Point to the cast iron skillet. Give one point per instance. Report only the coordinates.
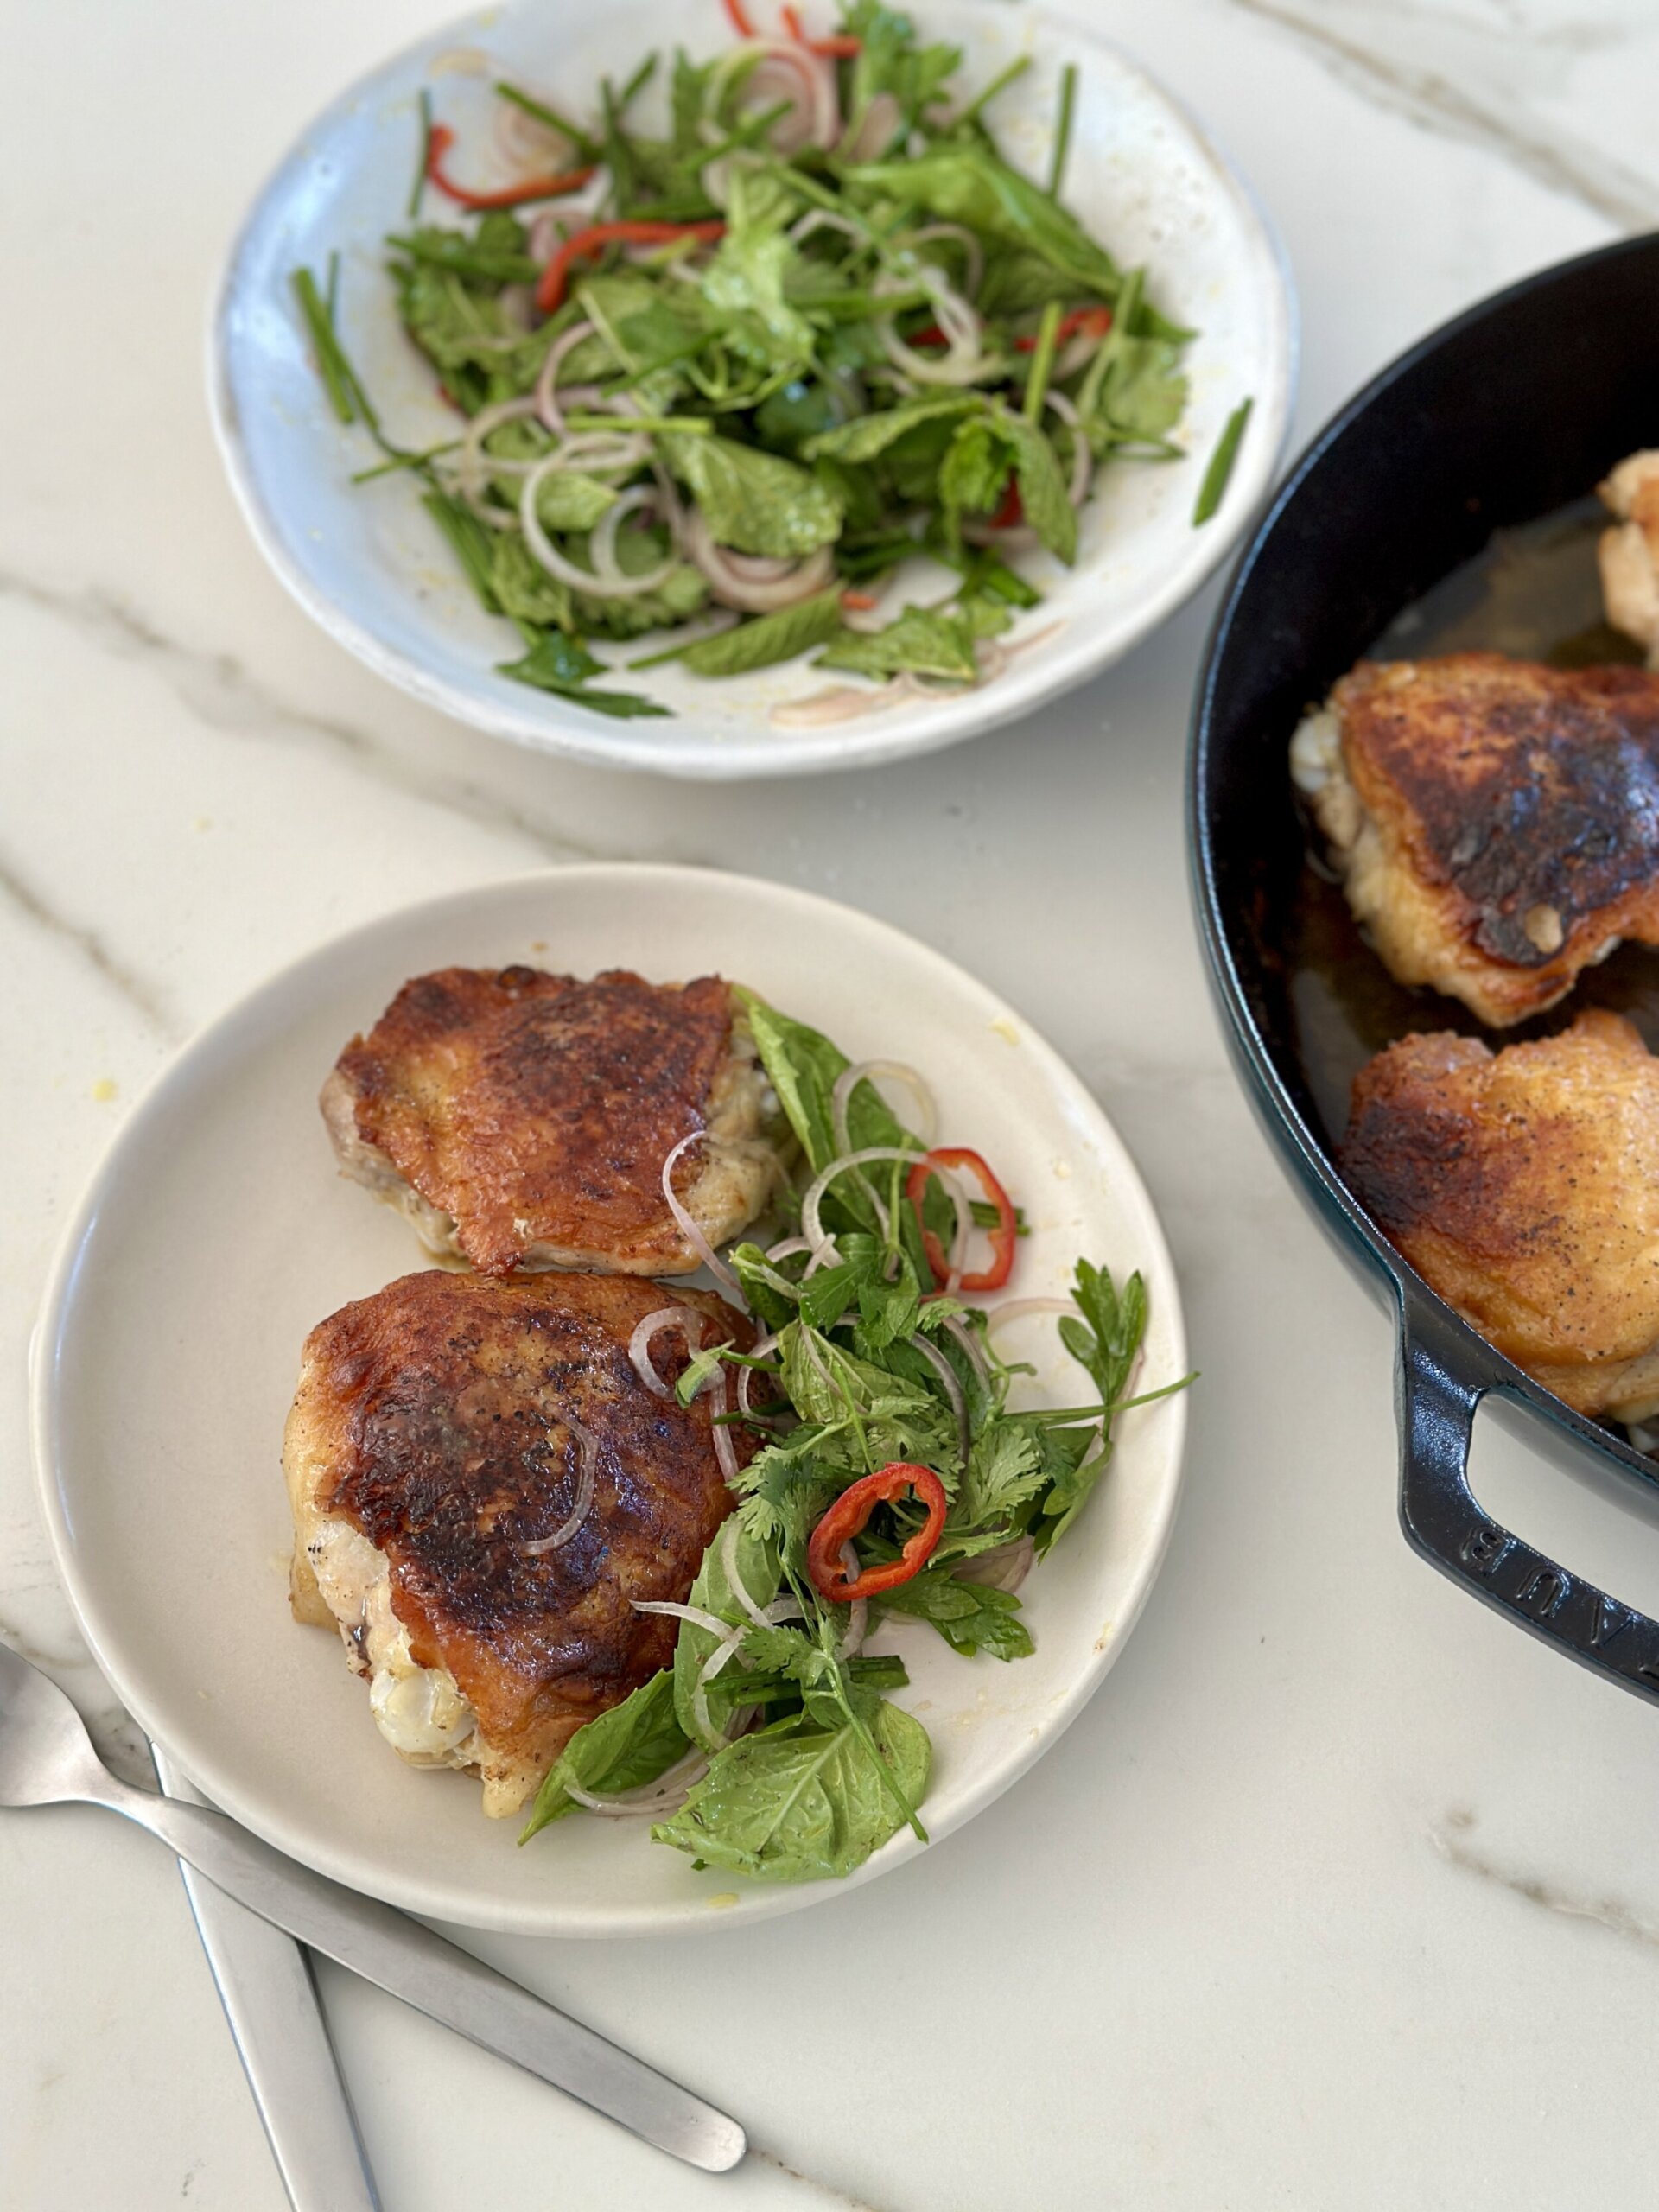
(1510, 413)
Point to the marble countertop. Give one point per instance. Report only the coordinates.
(1341, 1892)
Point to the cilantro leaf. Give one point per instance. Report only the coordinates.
(971, 1616)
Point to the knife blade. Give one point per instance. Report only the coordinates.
(401, 1955)
(277, 2025)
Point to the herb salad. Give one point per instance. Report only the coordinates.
(896, 1475)
(719, 380)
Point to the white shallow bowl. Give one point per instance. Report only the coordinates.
(366, 562)
(217, 1233)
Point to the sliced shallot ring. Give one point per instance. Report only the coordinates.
(544, 550)
(873, 133)
(894, 1072)
(1017, 1309)
(473, 466)
(710, 1667)
(811, 1225)
(816, 118)
(765, 1345)
(685, 1317)
(947, 1375)
(667, 1794)
(687, 1228)
(755, 583)
(587, 1445)
(957, 1329)
(695, 1614)
(546, 398)
(601, 546)
(963, 236)
(724, 1449)
(837, 702)
(739, 1588)
(858, 1612)
(1004, 1567)
(825, 219)
(1082, 460)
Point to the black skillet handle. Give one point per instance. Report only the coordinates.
(1436, 1406)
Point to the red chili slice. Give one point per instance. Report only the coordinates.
(442, 138)
(1096, 321)
(740, 19)
(1003, 1236)
(1011, 511)
(550, 292)
(841, 48)
(851, 1512)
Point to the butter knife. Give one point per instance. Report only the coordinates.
(276, 2023)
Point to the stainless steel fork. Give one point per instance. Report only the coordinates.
(47, 1758)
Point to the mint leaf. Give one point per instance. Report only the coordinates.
(867, 436)
(767, 638)
(549, 664)
(753, 501)
(967, 182)
(927, 641)
(1042, 487)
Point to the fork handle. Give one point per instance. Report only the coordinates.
(399, 1954)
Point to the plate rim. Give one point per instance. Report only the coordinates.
(1022, 690)
(187, 1070)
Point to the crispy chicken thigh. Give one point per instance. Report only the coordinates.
(521, 1120)
(1496, 822)
(1523, 1186)
(1629, 553)
(444, 1437)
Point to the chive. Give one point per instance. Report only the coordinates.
(618, 154)
(1062, 128)
(974, 108)
(693, 426)
(451, 249)
(332, 296)
(469, 541)
(581, 143)
(1042, 361)
(1212, 490)
(422, 165)
(408, 461)
(636, 84)
(331, 365)
(746, 133)
(660, 660)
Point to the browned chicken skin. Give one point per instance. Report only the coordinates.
(1496, 822)
(436, 1445)
(1523, 1186)
(522, 1119)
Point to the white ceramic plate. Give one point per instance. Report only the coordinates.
(217, 1234)
(366, 562)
